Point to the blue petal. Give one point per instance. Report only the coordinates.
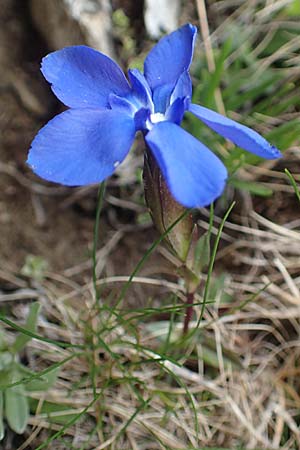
(241, 135)
(141, 118)
(82, 77)
(161, 97)
(122, 104)
(140, 87)
(176, 111)
(166, 94)
(170, 57)
(183, 87)
(80, 147)
(194, 175)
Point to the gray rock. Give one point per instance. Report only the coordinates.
(161, 16)
(73, 22)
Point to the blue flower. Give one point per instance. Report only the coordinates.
(86, 143)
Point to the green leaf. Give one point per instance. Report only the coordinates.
(44, 382)
(283, 136)
(293, 9)
(252, 187)
(217, 289)
(202, 253)
(248, 88)
(3, 344)
(210, 357)
(56, 413)
(16, 408)
(215, 78)
(31, 325)
(6, 360)
(5, 379)
(161, 331)
(1, 417)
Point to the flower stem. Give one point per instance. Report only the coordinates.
(100, 199)
(188, 312)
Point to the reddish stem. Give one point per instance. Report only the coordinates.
(188, 312)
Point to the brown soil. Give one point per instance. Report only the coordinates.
(33, 218)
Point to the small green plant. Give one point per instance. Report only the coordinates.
(34, 267)
(16, 380)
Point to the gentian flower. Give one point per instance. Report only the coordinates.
(86, 143)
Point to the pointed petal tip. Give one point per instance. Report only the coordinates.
(192, 27)
(274, 152)
(265, 149)
(239, 134)
(170, 56)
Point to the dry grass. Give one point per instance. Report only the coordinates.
(256, 405)
(124, 389)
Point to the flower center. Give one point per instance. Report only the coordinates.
(153, 119)
(157, 117)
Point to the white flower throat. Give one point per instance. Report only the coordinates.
(155, 118)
